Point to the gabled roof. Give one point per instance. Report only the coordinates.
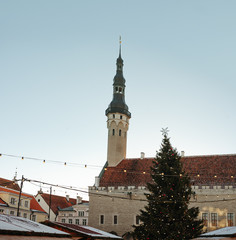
(82, 231)
(3, 203)
(58, 202)
(34, 205)
(9, 184)
(203, 170)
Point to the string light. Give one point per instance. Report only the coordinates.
(113, 170)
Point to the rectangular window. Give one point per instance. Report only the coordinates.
(70, 214)
(84, 222)
(115, 219)
(13, 201)
(205, 219)
(34, 218)
(80, 213)
(77, 221)
(102, 219)
(26, 204)
(70, 221)
(63, 220)
(214, 219)
(25, 215)
(1, 210)
(230, 219)
(137, 221)
(12, 213)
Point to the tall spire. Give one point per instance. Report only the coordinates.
(118, 103)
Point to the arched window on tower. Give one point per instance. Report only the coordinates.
(113, 132)
(119, 132)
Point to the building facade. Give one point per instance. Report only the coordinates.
(63, 209)
(76, 214)
(118, 193)
(28, 208)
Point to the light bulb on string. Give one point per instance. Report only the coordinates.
(22, 158)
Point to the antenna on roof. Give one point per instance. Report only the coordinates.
(15, 177)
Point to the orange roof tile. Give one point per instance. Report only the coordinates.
(34, 205)
(203, 170)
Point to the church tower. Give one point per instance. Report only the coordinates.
(118, 116)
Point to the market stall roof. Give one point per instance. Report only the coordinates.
(21, 227)
(222, 233)
(82, 231)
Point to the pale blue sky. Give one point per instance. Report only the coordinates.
(57, 63)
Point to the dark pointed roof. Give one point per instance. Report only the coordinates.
(118, 102)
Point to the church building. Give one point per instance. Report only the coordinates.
(118, 193)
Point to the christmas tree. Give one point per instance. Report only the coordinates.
(167, 215)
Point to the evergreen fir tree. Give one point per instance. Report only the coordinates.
(167, 215)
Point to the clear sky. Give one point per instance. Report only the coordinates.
(57, 63)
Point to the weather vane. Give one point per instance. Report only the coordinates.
(164, 131)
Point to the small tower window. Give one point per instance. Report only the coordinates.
(113, 115)
(120, 116)
(120, 90)
(113, 132)
(116, 89)
(120, 132)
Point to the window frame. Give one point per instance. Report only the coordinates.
(229, 219)
(205, 220)
(214, 220)
(115, 219)
(101, 219)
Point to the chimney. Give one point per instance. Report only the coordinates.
(142, 155)
(97, 181)
(40, 191)
(78, 200)
(67, 198)
(182, 153)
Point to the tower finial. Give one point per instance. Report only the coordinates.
(120, 47)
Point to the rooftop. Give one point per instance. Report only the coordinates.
(203, 170)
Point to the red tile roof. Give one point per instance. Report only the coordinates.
(58, 202)
(34, 205)
(3, 203)
(9, 184)
(203, 170)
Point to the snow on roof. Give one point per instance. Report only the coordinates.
(84, 230)
(227, 231)
(13, 223)
(100, 232)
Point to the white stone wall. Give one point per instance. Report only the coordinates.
(125, 202)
